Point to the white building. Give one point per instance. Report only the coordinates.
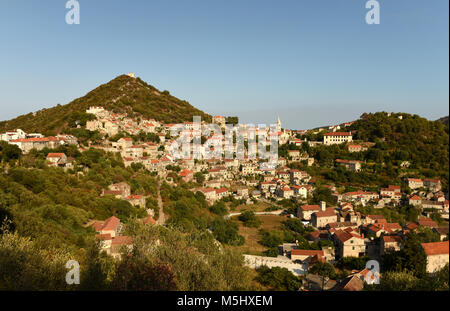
(337, 138)
(12, 135)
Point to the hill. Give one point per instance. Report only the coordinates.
(406, 137)
(122, 94)
(444, 120)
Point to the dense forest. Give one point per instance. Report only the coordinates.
(122, 94)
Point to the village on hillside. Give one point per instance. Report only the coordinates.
(343, 229)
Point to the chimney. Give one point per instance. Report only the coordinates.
(323, 206)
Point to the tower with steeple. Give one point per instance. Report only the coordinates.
(278, 124)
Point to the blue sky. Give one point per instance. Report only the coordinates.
(312, 62)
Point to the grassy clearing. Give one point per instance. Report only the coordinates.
(252, 235)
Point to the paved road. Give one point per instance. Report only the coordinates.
(162, 218)
(278, 212)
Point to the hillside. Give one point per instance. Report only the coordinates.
(406, 137)
(122, 94)
(444, 120)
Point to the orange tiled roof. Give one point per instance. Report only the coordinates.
(435, 248)
(111, 223)
(310, 207)
(306, 252)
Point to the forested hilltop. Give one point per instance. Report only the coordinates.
(406, 137)
(400, 145)
(122, 94)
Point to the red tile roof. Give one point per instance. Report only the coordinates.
(427, 222)
(415, 197)
(310, 208)
(344, 236)
(338, 134)
(122, 240)
(149, 220)
(435, 248)
(55, 155)
(306, 252)
(111, 223)
(185, 173)
(327, 213)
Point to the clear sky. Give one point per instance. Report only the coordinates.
(312, 62)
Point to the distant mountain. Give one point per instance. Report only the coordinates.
(444, 120)
(122, 94)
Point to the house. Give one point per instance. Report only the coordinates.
(285, 192)
(390, 191)
(186, 175)
(370, 219)
(433, 205)
(127, 161)
(349, 244)
(318, 235)
(301, 191)
(136, 151)
(209, 193)
(442, 231)
(26, 144)
(222, 193)
(414, 183)
(248, 169)
(13, 135)
(427, 222)
(306, 255)
(379, 228)
(123, 143)
(322, 218)
(437, 255)
(120, 242)
(111, 226)
(432, 184)
(414, 200)
(294, 154)
(351, 283)
(242, 192)
(284, 175)
(359, 195)
(267, 185)
(356, 148)
(343, 225)
(105, 241)
(354, 166)
(390, 243)
(305, 211)
(122, 188)
(136, 200)
(58, 160)
(336, 138)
